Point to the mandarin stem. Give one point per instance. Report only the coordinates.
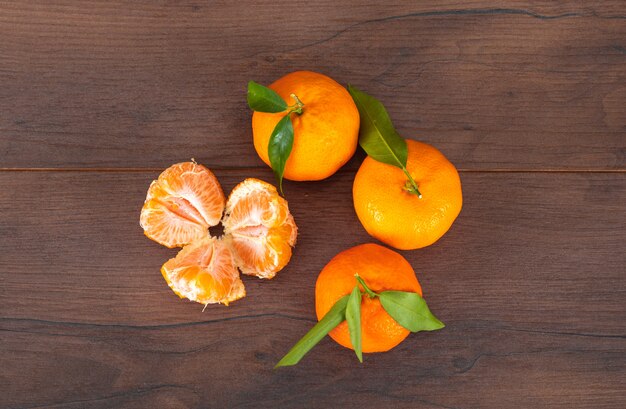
(413, 189)
(297, 107)
(369, 292)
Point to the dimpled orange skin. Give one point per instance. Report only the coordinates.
(325, 134)
(398, 218)
(382, 269)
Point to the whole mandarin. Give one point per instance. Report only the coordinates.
(382, 269)
(402, 219)
(325, 134)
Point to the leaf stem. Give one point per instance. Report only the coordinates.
(370, 293)
(297, 107)
(411, 185)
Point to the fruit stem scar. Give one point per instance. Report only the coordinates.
(411, 185)
(370, 293)
(297, 107)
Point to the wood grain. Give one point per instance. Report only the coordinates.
(527, 98)
(529, 280)
(529, 85)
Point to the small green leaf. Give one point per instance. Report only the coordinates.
(263, 99)
(279, 148)
(353, 317)
(377, 136)
(335, 316)
(409, 310)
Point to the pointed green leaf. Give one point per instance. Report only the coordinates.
(377, 136)
(263, 99)
(335, 316)
(409, 310)
(353, 317)
(279, 148)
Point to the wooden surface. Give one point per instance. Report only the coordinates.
(527, 98)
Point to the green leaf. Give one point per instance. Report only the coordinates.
(263, 99)
(353, 316)
(335, 316)
(409, 310)
(377, 136)
(279, 148)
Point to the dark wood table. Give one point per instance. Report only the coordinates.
(526, 98)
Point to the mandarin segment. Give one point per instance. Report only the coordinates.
(182, 204)
(382, 269)
(168, 227)
(204, 271)
(259, 228)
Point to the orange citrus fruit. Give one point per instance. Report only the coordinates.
(259, 232)
(204, 271)
(399, 218)
(182, 204)
(325, 134)
(382, 269)
(259, 228)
